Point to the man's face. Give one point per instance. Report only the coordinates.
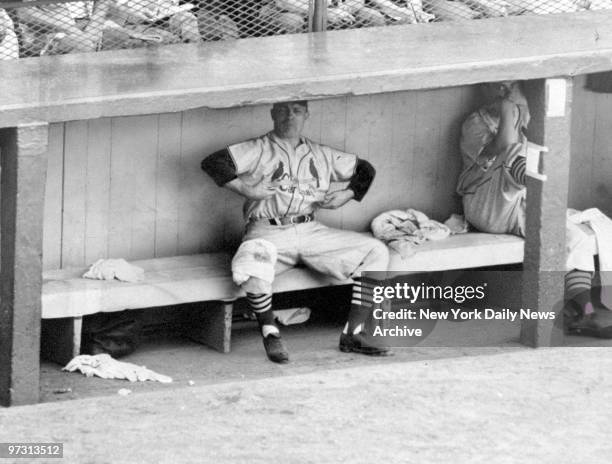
(289, 119)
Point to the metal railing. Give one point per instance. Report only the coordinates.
(31, 28)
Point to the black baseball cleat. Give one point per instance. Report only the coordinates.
(361, 343)
(276, 349)
(597, 324)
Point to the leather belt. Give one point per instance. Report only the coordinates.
(286, 220)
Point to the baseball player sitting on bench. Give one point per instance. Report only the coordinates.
(285, 178)
(492, 184)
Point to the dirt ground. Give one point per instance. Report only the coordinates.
(455, 405)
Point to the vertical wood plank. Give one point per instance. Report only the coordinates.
(602, 164)
(52, 236)
(202, 212)
(402, 167)
(97, 190)
(584, 123)
(544, 264)
(75, 193)
(168, 184)
(357, 216)
(450, 104)
(23, 165)
(132, 197)
(425, 158)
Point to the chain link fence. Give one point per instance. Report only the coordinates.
(32, 28)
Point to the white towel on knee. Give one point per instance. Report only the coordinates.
(254, 258)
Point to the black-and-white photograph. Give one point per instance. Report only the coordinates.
(305, 231)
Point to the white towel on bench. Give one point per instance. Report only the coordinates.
(110, 269)
(402, 230)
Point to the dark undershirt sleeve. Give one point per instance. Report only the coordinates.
(220, 166)
(362, 179)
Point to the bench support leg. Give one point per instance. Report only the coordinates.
(544, 263)
(214, 326)
(23, 162)
(61, 339)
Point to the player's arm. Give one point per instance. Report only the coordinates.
(356, 189)
(221, 167)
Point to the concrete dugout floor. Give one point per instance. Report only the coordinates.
(312, 346)
(425, 405)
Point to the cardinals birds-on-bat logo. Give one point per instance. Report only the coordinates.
(304, 183)
(277, 175)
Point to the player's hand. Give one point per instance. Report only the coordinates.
(260, 191)
(335, 200)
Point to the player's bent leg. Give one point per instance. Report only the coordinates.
(261, 305)
(345, 254)
(354, 337)
(254, 268)
(581, 318)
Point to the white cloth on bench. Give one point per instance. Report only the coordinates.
(110, 269)
(403, 230)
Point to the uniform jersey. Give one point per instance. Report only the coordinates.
(493, 201)
(302, 175)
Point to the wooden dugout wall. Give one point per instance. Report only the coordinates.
(132, 187)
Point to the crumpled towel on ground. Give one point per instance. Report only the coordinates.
(402, 230)
(104, 366)
(255, 258)
(292, 316)
(109, 269)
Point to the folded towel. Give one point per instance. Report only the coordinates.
(109, 269)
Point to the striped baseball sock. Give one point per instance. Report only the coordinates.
(261, 304)
(578, 289)
(361, 304)
(518, 168)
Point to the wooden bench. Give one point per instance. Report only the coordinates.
(67, 297)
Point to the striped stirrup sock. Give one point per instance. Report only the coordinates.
(578, 289)
(361, 304)
(261, 304)
(517, 170)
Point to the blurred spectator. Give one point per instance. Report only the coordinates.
(158, 17)
(62, 27)
(215, 19)
(9, 47)
(402, 11)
